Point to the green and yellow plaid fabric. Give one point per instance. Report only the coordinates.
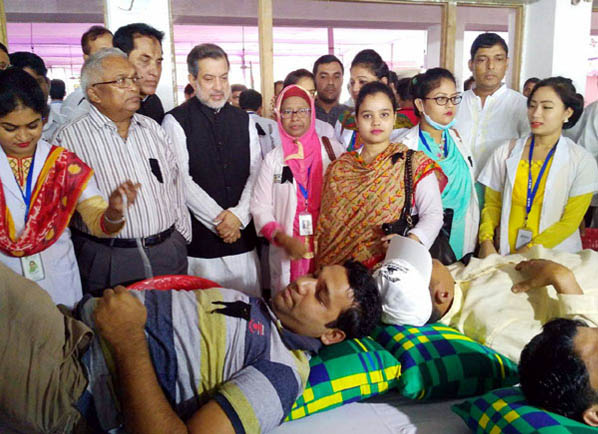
(349, 371)
(505, 411)
(438, 362)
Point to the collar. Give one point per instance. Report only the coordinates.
(496, 94)
(292, 340)
(456, 307)
(100, 120)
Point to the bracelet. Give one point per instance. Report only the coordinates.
(114, 222)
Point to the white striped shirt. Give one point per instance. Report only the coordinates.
(159, 205)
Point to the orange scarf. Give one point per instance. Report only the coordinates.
(358, 198)
(54, 200)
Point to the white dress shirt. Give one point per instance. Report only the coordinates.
(270, 127)
(483, 129)
(75, 105)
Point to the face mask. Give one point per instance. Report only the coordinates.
(438, 126)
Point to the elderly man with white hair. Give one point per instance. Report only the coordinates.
(120, 144)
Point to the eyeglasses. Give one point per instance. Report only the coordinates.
(301, 113)
(443, 100)
(122, 82)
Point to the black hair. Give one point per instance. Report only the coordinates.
(250, 100)
(19, 89)
(403, 88)
(325, 59)
(238, 87)
(393, 80)
(93, 33)
(564, 88)
(468, 83)
(552, 374)
(371, 60)
(25, 59)
(531, 80)
(204, 51)
(423, 84)
(293, 77)
(487, 40)
(124, 38)
(57, 89)
(373, 88)
(3, 48)
(361, 318)
(188, 89)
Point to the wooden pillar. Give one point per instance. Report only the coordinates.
(330, 40)
(516, 20)
(3, 35)
(264, 20)
(449, 32)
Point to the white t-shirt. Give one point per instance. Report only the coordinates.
(483, 129)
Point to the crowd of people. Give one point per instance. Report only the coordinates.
(318, 221)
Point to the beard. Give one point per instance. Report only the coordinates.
(328, 100)
(204, 98)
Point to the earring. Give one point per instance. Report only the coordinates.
(566, 120)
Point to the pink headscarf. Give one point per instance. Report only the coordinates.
(301, 153)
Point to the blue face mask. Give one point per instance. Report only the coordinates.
(438, 126)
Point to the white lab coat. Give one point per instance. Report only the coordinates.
(410, 138)
(61, 279)
(573, 172)
(275, 201)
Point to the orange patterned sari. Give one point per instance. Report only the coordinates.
(358, 198)
(53, 201)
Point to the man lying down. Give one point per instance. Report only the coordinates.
(503, 302)
(211, 361)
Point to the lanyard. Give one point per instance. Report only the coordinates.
(531, 193)
(425, 143)
(27, 194)
(305, 191)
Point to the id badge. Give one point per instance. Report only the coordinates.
(306, 226)
(524, 236)
(33, 267)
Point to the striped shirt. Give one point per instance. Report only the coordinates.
(213, 344)
(146, 156)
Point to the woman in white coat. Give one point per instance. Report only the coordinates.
(42, 186)
(538, 188)
(436, 98)
(286, 198)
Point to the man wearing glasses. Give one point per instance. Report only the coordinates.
(120, 144)
(490, 113)
(219, 155)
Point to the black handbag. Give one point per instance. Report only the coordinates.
(441, 248)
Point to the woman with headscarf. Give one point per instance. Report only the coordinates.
(286, 199)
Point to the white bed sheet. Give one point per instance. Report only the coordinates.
(387, 414)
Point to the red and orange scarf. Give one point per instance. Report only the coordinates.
(358, 198)
(54, 200)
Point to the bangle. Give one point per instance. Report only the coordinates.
(114, 222)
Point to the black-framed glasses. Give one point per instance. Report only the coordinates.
(443, 100)
(122, 82)
(301, 113)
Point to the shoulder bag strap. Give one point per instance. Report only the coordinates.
(408, 187)
(328, 147)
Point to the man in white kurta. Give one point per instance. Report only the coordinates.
(490, 113)
(219, 153)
